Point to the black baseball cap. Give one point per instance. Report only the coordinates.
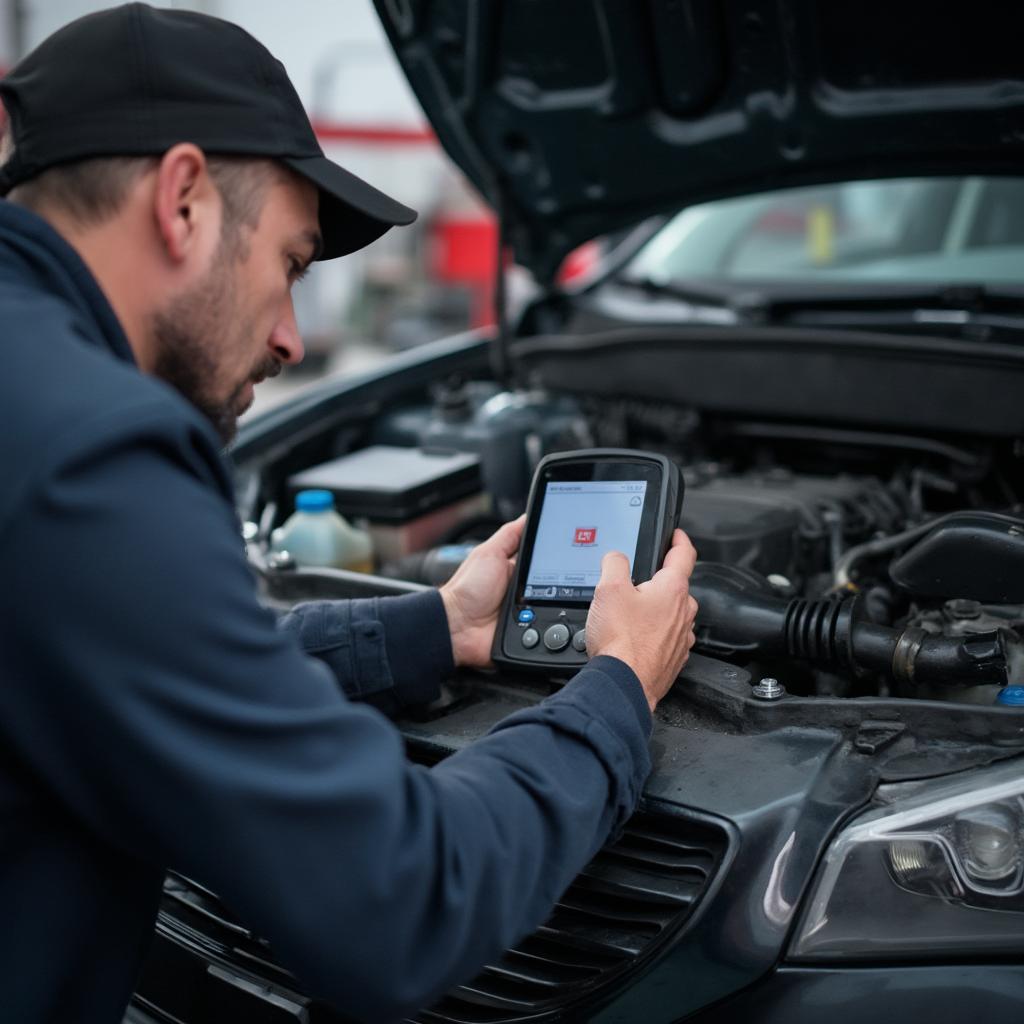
(136, 80)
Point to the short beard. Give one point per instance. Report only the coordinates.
(187, 335)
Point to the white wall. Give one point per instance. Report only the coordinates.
(337, 56)
(6, 42)
(339, 42)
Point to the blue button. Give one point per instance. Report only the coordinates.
(526, 615)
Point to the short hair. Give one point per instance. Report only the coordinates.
(92, 190)
(6, 143)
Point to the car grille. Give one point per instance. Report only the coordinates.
(637, 893)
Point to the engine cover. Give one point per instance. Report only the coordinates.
(973, 555)
(781, 522)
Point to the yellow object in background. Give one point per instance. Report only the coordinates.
(821, 233)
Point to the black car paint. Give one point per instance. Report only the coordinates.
(579, 118)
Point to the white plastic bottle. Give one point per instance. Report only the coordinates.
(315, 535)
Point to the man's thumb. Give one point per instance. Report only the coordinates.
(615, 568)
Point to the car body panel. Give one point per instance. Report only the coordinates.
(582, 117)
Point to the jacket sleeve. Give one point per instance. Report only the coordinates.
(366, 644)
(149, 690)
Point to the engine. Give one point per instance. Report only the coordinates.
(843, 563)
(798, 578)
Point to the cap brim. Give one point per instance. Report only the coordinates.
(352, 213)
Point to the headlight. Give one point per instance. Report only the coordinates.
(938, 871)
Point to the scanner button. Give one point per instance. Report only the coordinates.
(526, 615)
(530, 638)
(556, 637)
(579, 641)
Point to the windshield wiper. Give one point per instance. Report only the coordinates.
(697, 294)
(945, 303)
(967, 310)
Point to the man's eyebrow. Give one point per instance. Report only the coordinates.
(316, 243)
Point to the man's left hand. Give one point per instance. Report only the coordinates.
(472, 597)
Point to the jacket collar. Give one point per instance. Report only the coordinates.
(38, 254)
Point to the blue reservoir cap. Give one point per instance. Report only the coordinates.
(1011, 696)
(314, 501)
(455, 552)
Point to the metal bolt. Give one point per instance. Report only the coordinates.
(962, 608)
(280, 561)
(768, 689)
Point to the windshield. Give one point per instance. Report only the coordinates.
(962, 230)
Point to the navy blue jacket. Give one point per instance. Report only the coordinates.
(154, 715)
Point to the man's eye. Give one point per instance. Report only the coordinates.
(297, 270)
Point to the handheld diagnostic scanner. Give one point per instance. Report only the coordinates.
(582, 505)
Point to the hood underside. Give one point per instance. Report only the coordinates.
(575, 118)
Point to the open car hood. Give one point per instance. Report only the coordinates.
(575, 118)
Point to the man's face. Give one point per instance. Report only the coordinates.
(219, 338)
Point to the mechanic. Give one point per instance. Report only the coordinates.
(164, 191)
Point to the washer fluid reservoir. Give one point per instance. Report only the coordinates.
(316, 535)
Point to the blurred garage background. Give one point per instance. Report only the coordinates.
(417, 283)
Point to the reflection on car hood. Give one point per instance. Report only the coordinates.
(579, 117)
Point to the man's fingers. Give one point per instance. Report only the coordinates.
(682, 554)
(615, 569)
(507, 538)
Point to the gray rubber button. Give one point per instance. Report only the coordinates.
(530, 637)
(556, 637)
(579, 641)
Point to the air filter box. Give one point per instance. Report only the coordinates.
(974, 555)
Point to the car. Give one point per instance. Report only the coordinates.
(811, 298)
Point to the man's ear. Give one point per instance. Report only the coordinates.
(186, 204)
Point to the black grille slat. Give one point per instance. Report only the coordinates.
(571, 936)
(552, 950)
(645, 916)
(543, 985)
(496, 993)
(542, 973)
(659, 856)
(599, 934)
(201, 901)
(614, 880)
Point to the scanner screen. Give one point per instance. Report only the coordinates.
(580, 522)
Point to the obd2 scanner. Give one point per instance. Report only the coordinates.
(582, 505)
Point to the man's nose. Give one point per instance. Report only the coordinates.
(285, 342)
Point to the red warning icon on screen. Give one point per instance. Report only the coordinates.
(585, 536)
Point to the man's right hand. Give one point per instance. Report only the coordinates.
(650, 626)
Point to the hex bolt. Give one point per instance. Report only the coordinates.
(961, 608)
(768, 689)
(280, 561)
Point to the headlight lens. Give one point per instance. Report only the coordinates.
(938, 871)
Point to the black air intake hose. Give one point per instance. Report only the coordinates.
(741, 616)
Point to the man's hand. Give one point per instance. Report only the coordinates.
(649, 627)
(472, 597)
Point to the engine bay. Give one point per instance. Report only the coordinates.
(839, 562)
